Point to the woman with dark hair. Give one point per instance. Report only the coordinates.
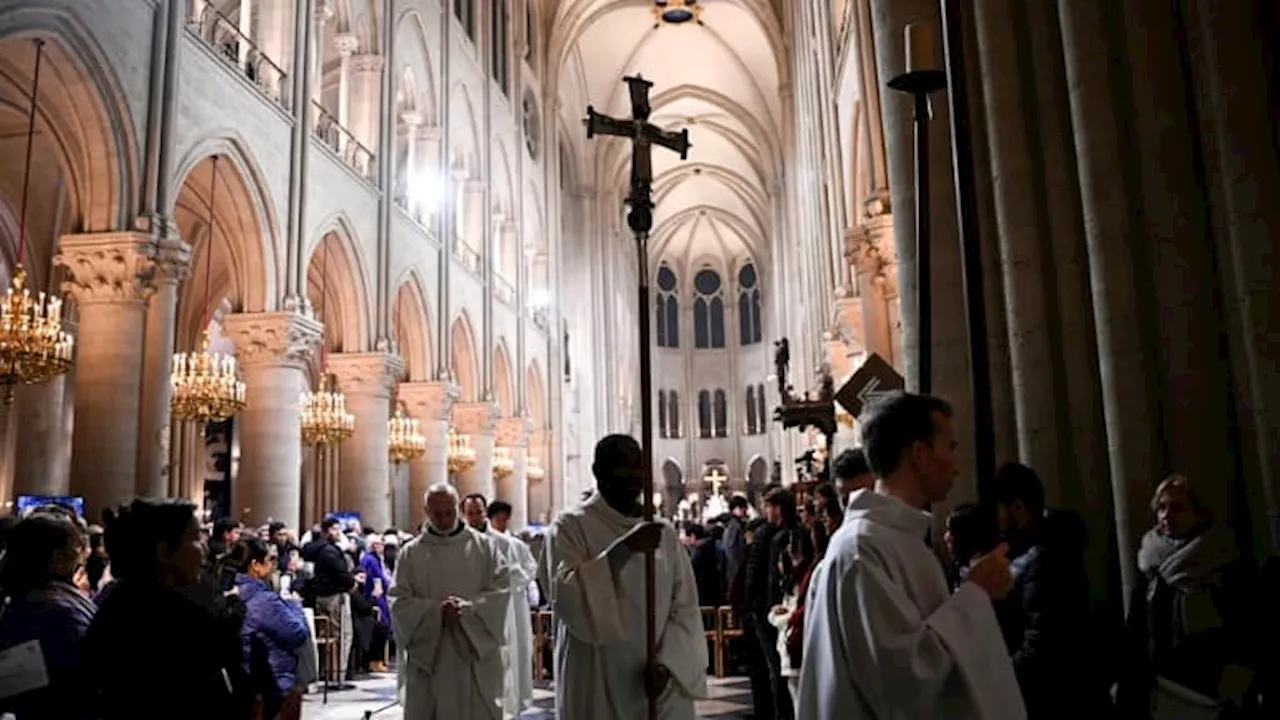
(273, 631)
(788, 616)
(164, 642)
(42, 604)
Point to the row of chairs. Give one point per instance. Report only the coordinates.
(721, 627)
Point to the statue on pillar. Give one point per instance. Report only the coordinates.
(782, 364)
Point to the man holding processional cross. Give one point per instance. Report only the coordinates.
(620, 653)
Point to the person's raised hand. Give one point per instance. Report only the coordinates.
(451, 608)
(991, 572)
(644, 537)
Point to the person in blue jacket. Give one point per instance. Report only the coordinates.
(274, 629)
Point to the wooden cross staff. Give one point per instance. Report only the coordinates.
(643, 135)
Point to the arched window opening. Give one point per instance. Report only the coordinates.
(673, 413)
(667, 309)
(722, 415)
(530, 34)
(752, 428)
(500, 45)
(532, 124)
(760, 409)
(704, 414)
(465, 11)
(749, 324)
(708, 310)
(662, 415)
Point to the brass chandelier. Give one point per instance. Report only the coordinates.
(325, 420)
(205, 386)
(533, 469)
(503, 463)
(33, 346)
(405, 441)
(462, 456)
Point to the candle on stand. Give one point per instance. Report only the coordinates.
(920, 48)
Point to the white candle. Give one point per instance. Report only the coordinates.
(920, 48)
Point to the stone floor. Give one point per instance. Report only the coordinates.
(729, 699)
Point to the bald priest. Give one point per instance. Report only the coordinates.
(593, 568)
(449, 600)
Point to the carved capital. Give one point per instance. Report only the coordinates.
(287, 338)
(869, 247)
(107, 267)
(366, 63)
(877, 204)
(372, 373)
(479, 418)
(346, 45)
(513, 431)
(429, 400)
(170, 262)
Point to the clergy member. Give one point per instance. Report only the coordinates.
(521, 641)
(594, 572)
(449, 600)
(519, 574)
(883, 636)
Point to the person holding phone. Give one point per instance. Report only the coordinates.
(274, 629)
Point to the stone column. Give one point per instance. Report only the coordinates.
(364, 99)
(8, 443)
(431, 403)
(1122, 355)
(364, 480)
(477, 420)
(950, 337)
(272, 349)
(322, 16)
(407, 182)
(38, 410)
(346, 45)
(513, 433)
(275, 32)
(1019, 191)
(245, 23)
(473, 218)
(170, 266)
(106, 274)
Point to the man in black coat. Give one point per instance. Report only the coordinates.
(1046, 618)
(763, 590)
(331, 585)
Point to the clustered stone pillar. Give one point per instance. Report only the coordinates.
(513, 433)
(364, 469)
(169, 267)
(38, 468)
(431, 403)
(273, 349)
(478, 421)
(107, 275)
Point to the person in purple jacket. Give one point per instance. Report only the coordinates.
(376, 582)
(274, 629)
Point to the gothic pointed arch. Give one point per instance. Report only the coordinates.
(503, 381)
(337, 287)
(464, 363)
(410, 321)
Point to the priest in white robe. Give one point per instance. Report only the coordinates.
(520, 637)
(883, 636)
(593, 571)
(520, 573)
(449, 600)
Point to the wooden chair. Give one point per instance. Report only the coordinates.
(327, 644)
(541, 640)
(728, 628)
(711, 629)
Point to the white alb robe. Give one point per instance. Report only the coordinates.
(517, 654)
(600, 653)
(884, 637)
(450, 671)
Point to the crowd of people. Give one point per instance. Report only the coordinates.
(849, 608)
(154, 614)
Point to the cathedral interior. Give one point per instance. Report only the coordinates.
(393, 205)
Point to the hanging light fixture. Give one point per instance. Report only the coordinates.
(33, 346)
(325, 420)
(503, 463)
(533, 469)
(205, 386)
(405, 441)
(462, 456)
(677, 12)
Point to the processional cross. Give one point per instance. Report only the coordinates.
(715, 478)
(643, 135)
